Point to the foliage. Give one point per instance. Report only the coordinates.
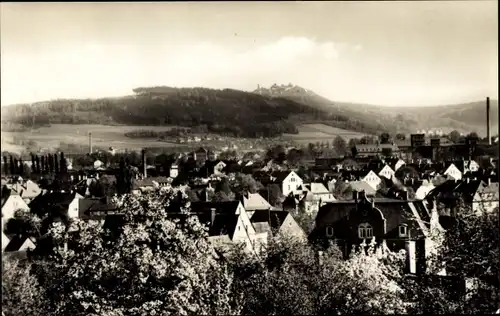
(24, 223)
(150, 264)
(340, 145)
(245, 183)
(222, 111)
(21, 292)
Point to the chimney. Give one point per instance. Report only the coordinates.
(143, 152)
(489, 181)
(212, 215)
(488, 120)
(411, 260)
(90, 142)
(355, 195)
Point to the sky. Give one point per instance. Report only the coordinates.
(384, 53)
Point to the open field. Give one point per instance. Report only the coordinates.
(103, 136)
(312, 133)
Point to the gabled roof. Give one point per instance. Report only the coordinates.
(361, 186)
(18, 241)
(5, 240)
(273, 218)
(224, 224)
(464, 188)
(254, 201)
(317, 188)
(280, 176)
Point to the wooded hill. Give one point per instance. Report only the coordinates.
(222, 111)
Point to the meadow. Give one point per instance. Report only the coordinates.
(103, 136)
(312, 133)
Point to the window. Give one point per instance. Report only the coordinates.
(288, 188)
(292, 179)
(329, 231)
(365, 231)
(403, 230)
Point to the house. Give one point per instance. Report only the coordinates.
(395, 225)
(486, 198)
(254, 202)
(371, 178)
(52, 202)
(386, 171)
(11, 202)
(362, 186)
(227, 218)
(315, 194)
(28, 190)
(213, 168)
(370, 150)
(277, 222)
(452, 172)
(395, 163)
(289, 181)
(475, 193)
(424, 189)
(141, 185)
(5, 241)
(20, 243)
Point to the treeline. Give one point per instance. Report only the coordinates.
(230, 111)
(50, 163)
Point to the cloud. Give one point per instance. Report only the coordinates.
(96, 69)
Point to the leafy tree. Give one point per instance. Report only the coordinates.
(21, 168)
(275, 194)
(24, 223)
(385, 138)
(367, 140)
(12, 166)
(56, 163)
(454, 136)
(246, 183)
(63, 166)
(151, 265)
(354, 151)
(340, 145)
(5, 165)
(37, 161)
(21, 291)
(400, 136)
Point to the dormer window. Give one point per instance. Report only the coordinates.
(403, 230)
(329, 231)
(365, 231)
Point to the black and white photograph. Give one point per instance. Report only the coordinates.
(249, 158)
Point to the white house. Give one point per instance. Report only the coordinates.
(372, 179)
(453, 173)
(10, 205)
(386, 172)
(289, 182)
(73, 208)
(399, 163)
(424, 189)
